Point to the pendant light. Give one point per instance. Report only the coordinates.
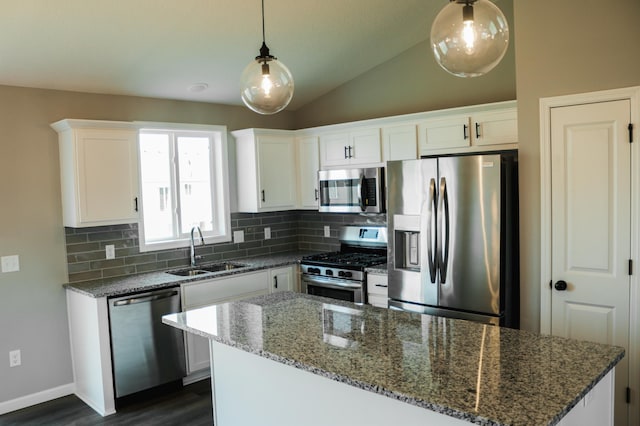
(266, 83)
(469, 37)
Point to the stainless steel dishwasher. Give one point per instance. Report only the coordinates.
(145, 352)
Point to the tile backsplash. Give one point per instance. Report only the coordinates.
(290, 231)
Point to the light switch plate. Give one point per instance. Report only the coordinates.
(110, 251)
(267, 233)
(238, 236)
(10, 263)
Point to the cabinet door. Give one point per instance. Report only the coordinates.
(308, 165)
(377, 290)
(334, 150)
(209, 292)
(281, 279)
(443, 133)
(107, 177)
(400, 142)
(277, 172)
(495, 127)
(365, 146)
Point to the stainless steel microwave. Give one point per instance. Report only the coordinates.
(352, 190)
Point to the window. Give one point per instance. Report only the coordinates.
(184, 183)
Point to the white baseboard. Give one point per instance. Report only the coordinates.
(36, 398)
(197, 376)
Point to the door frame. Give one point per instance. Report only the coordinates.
(546, 104)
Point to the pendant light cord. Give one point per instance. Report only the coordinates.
(263, 22)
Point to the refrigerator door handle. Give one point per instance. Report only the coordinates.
(443, 231)
(431, 234)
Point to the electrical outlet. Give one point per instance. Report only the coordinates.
(14, 358)
(238, 236)
(267, 233)
(10, 263)
(110, 251)
(327, 231)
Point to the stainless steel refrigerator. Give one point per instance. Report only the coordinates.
(453, 245)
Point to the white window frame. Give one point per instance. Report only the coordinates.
(219, 181)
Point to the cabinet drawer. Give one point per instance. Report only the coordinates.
(212, 291)
(377, 285)
(378, 301)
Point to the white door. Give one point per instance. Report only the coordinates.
(590, 228)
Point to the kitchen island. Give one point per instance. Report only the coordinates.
(289, 359)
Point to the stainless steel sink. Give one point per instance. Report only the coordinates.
(188, 272)
(226, 266)
(207, 269)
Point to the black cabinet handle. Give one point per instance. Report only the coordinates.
(345, 152)
(135, 204)
(464, 131)
(275, 282)
(350, 156)
(316, 192)
(263, 198)
(561, 285)
(477, 130)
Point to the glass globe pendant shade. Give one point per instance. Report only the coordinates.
(469, 37)
(266, 84)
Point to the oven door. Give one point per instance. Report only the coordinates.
(351, 190)
(334, 288)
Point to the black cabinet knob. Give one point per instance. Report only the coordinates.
(561, 285)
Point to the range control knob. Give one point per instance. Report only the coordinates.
(345, 274)
(328, 272)
(313, 270)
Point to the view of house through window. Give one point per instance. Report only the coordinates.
(183, 178)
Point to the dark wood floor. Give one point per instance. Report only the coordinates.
(190, 405)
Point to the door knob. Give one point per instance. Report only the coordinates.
(561, 285)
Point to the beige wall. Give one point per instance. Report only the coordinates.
(32, 303)
(585, 46)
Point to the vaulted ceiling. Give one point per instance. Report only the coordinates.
(170, 48)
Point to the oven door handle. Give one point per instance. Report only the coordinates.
(331, 282)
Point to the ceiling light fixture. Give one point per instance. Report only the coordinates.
(469, 37)
(266, 83)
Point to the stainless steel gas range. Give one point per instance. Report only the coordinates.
(341, 274)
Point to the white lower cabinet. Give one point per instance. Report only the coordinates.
(219, 290)
(209, 292)
(377, 290)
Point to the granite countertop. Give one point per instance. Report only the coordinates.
(108, 287)
(483, 374)
(377, 269)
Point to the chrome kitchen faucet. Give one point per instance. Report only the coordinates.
(193, 247)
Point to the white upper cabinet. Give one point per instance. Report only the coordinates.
(495, 127)
(266, 170)
(350, 148)
(400, 142)
(98, 172)
(308, 166)
(469, 129)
